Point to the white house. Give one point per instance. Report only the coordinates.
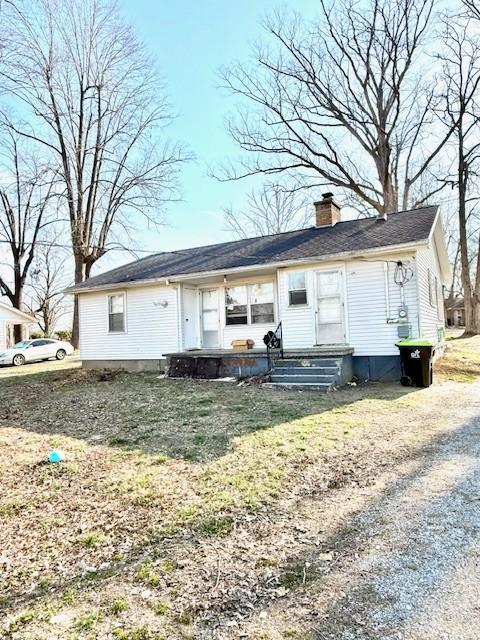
(337, 288)
(9, 317)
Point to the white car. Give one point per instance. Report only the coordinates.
(34, 351)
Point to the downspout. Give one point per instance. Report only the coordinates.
(386, 276)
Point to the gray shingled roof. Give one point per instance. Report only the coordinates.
(352, 235)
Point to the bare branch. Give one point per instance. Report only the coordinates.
(341, 100)
(95, 102)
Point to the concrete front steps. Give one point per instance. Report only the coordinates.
(311, 373)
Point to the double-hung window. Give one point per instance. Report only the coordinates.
(236, 305)
(116, 313)
(261, 303)
(297, 289)
(249, 304)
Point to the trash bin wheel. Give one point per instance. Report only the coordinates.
(406, 381)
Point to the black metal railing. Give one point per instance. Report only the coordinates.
(274, 342)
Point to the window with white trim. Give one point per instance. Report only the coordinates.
(236, 305)
(250, 304)
(116, 313)
(297, 289)
(261, 303)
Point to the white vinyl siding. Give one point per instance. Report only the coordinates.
(371, 306)
(298, 322)
(431, 315)
(367, 329)
(151, 326)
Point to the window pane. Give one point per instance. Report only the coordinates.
(237, 315)
(261, 293)
(298, 297)
(116, 304)
(296, 281)
(236, 305)
(116, 318)
(115, 322)
(262, 313)
(328, 283)
(209, 299)
(210, 320)
(235, 296)
(330, 311)
(261, 303)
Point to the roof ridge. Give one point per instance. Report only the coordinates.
(282, 233)
(358, 234)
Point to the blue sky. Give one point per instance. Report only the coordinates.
(190, 41)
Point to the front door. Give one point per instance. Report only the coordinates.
(190, 318)
(330, 309)
(210, 319)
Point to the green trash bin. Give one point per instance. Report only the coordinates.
(416, 361)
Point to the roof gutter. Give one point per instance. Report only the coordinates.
(334, 257)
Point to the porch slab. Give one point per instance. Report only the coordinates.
(242, 363)
(312, 352)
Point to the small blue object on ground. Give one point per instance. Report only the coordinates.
(56, 456)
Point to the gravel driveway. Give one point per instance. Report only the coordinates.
(391, 553)
(417, 574)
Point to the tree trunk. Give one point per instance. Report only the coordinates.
(17, 301)
(472, 308)
(80, 276)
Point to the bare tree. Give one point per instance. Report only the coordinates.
(460, 58)
(271, 209)
(472, 8)
(96, 103)
(341, 101)
(46, 300)
(26, 190)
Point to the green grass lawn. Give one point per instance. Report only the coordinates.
(149, 461)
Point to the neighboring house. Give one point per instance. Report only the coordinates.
(455, 311)
(338, 288)
(9, 317)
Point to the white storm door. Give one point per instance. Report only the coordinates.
(210, 319)
(190, 318)
(330, 308)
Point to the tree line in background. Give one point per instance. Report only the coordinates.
(378, 100)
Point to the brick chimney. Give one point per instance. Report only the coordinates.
(327, 211)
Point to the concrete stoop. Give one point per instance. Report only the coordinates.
(311, 373)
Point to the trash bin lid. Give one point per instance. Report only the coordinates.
(414, 342)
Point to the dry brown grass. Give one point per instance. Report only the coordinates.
(462, 360)
(91, 548)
